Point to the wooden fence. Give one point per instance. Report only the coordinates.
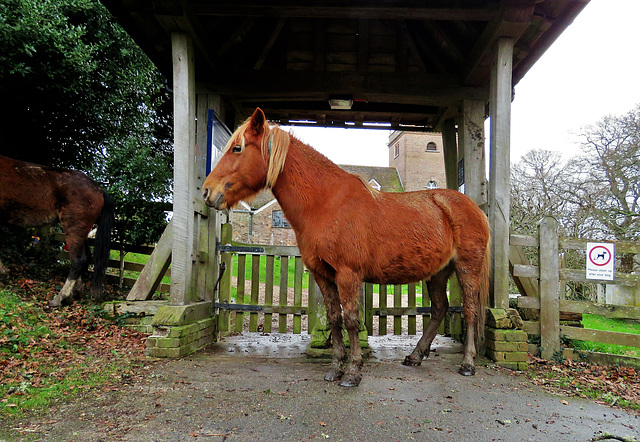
(548, 300)
(269, 301)
(123, 271)
(272, 302)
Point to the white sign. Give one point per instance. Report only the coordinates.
(600, 260)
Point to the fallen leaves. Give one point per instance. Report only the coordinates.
(73, 338)
(613, 385)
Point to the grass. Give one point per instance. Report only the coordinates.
(138, 258)
(596, 322)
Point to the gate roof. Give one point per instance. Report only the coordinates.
(406, 64)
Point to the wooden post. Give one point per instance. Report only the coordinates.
(450, 147)
(284, 288)
(208, 223)
(451, 156)
(268, 292)
(549, 288)
(182, 283)
(500, 112)
(368, 307)
(472, 142)
(224, 291)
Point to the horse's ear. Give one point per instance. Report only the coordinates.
(257, 121)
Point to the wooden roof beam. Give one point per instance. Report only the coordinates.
(179, 18)
(272, 40)
(513, 20)
(318, 85)
(356, 9)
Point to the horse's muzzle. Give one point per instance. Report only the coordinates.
(215, 200)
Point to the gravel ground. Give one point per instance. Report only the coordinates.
(262, 388)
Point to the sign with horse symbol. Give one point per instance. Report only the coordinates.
(600, 261)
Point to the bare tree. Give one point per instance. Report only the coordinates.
(606, 179)
(538, 185)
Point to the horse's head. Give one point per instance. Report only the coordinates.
(244, 168)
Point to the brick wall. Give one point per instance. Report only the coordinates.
(263, 230)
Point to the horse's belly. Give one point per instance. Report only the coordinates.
(405, 268)
(24, 216)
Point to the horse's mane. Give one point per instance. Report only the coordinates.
(374, 192)
(274, 147)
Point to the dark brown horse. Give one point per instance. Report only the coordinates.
(33, 196)
(348, 233)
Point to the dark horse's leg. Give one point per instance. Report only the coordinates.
(79, 264)
(349, 290)
(3, 270)
(334, 317)
(437, 287)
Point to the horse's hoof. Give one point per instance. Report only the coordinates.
(467, 370)
(409, 361)
(351, 380)
(333, 375)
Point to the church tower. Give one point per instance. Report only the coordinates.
(419, 159)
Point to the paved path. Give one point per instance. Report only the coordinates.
(262, 388)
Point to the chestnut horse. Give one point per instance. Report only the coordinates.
(34, 196)
(348, 233)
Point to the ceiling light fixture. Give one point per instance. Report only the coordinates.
(342, 102)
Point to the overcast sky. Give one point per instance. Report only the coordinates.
(591, 70)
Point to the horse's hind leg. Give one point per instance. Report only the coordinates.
(469, 282)
(3, 271)
(79, 264)
(334, 317)
(437, 287)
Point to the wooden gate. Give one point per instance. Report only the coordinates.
(551, 302)
(266, 289)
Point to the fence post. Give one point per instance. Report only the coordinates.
(549, 288)
(224, 290)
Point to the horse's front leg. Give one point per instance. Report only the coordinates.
(349, 289)
(334, 317)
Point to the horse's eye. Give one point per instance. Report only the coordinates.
(237, 148)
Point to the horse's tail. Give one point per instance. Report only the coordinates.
(483, 294)
(102, 245)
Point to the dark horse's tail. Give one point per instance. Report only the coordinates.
(102, 245)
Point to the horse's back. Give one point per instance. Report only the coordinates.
(32, 195)
(431, 226)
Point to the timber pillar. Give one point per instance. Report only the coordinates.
(186, 323)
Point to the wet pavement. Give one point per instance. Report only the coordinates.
(256, 387)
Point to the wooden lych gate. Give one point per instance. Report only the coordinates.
(408, 65)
